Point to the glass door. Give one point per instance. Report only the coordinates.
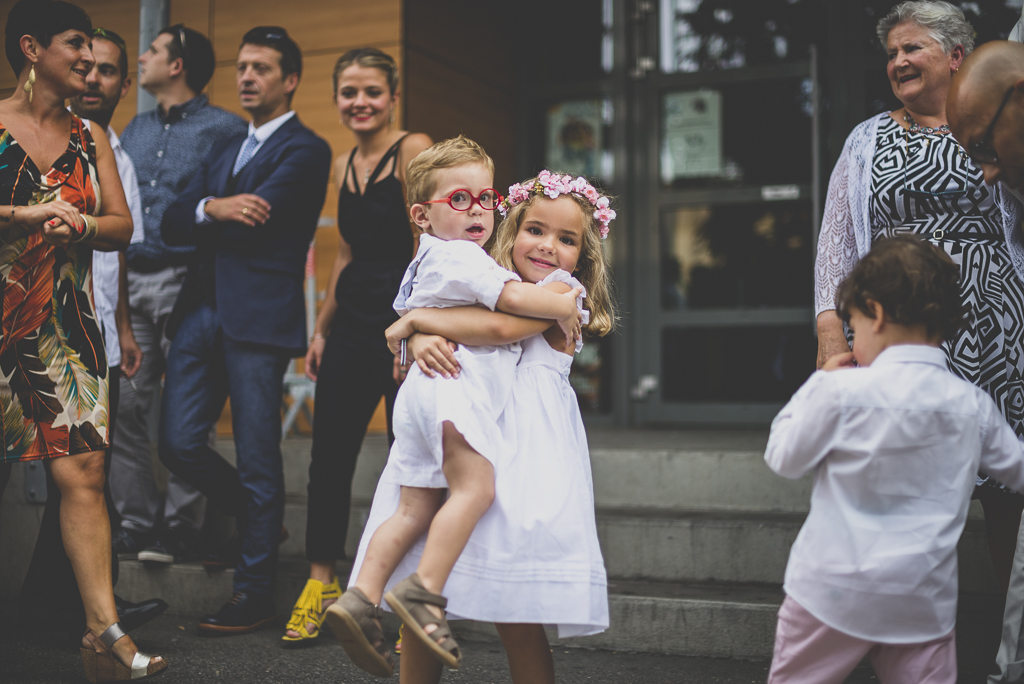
(726, 203)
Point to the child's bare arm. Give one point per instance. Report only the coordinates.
(434, 354)
(524, 299)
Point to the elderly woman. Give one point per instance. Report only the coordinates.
(60, 198)
(902, 172)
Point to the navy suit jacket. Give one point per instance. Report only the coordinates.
(258, 271)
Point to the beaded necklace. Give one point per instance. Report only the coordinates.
(927, 130)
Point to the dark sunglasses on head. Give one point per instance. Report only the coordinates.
(112, 37)
(181, 39)
(982, 151)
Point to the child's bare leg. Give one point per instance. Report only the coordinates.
(471, 491)
(418, 665)
(395, 536)
(529, 654)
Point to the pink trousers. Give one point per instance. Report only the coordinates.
(809, 652)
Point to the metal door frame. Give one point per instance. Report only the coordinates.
(643, 86)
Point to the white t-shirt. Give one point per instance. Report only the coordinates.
(894, 449)
(104, 264)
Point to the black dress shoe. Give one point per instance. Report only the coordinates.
(132, 615)
(245, 612)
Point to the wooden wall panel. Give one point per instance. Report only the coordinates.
(121, 16)
(458, 73)
(192, 13)
(444, 102)
(315, 26)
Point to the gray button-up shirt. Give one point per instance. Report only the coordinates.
(167, 150)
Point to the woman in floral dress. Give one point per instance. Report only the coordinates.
(60, 198)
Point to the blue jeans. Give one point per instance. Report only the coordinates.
(204, 367)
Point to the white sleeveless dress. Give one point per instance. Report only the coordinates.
(534, 557)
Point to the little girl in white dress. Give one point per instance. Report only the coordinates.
(533, 559)
(447, 436)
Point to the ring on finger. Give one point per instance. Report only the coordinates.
(245, 210)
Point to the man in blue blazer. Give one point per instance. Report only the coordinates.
(251, 210)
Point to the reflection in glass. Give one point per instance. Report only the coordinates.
(706, 35)
(707, 139)
(577, 138)
(736, 364)
(590, 376)
(736, 256)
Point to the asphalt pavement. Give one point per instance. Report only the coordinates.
(48, 659)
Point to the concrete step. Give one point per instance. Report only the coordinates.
(687, 619)
(665, 545)
(679, 618)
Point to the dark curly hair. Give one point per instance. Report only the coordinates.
(915, 282)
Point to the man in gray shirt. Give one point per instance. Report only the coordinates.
(167, 146)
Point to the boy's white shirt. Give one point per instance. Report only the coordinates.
(448, 273)
(894, 448)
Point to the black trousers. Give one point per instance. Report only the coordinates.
(351, 381)
(50, 589)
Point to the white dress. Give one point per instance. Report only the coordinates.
(445, 274)
(534, 557)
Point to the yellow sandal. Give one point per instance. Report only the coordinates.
(309, 610)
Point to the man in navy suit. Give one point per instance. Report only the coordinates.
(251, 210)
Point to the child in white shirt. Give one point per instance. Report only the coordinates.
(894, 445)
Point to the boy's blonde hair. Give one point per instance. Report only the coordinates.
(591, 269)
(421, 175)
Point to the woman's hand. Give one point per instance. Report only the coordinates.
(572, 325)
(401, 329)
(57, 211)
(314, 355)
(58, 233)
(434, 354)
(831, 339)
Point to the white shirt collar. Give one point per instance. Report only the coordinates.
(912, 353)
(267, 129)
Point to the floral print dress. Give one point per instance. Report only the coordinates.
(53, 369)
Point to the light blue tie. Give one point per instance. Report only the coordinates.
(247, 150)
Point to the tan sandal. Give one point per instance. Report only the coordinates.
(407, 599)
(103, 665)
(351, 618)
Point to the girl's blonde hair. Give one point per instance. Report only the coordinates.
(592, 268)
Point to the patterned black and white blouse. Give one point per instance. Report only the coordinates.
(987, 352)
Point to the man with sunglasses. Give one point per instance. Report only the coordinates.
(167, 146)
(986, 114)
(251, 209)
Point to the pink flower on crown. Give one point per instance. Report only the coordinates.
(602, 203)
(591, 193)
(603, 232)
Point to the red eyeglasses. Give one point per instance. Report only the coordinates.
(462, 200)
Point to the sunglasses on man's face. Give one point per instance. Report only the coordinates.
(982, 150)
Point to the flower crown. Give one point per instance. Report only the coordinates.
(553, 185)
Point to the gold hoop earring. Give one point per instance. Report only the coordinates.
(30, 82)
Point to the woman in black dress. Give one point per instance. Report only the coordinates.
(348, 356)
